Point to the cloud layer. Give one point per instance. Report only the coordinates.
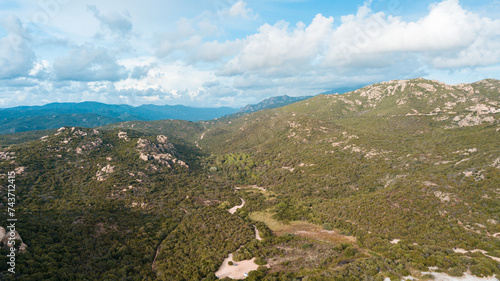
(88, 64)
(16, 56)
(214, 58)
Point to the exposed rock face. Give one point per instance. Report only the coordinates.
(427, 87)
(89, 146)
(444, 197)
(161, 153)
(6, 155)
(482, 109)
(86, 139)
(477, 175)
(4, 239)
(496, 163)
(419, 97)
(20, 170)
(123, 135)
(143, 156)
(471, 120)
(477, 116)
(180, 162)
(104, 172)
(162, 139)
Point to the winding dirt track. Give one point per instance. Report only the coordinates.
(463, 251)
(235, 208)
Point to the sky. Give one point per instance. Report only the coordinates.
(211, 53)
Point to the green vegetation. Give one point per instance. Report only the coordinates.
(78, 226)
(18, 138)
(383, 182)
(199, 244)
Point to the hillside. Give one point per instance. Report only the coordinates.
(85, 196)
(412, 160)
(375, 140)
(394, 179)
(272, 102)
(280, 101)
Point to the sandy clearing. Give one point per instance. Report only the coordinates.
(467, 277)
(237, 270)
(235, 208)
(395, 241)
(301, 228)
(250, 187)
(463, 251)
(257, 236)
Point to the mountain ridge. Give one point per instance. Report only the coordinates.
(272, 102)
(91, 114)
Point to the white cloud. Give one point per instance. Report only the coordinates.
(278, 49)
(16, 56)
(448, 37)
(215, 51)
(367, 42)
(187, 35)
(88, 64)
(168, 77)
(114, 22)
(41, 69)
(240, 10)
(169, 45)
(230, 56)
(139, 72)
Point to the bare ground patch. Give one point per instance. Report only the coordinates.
(301, 228)
(236, 271)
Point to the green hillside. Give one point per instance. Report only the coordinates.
(391, 180)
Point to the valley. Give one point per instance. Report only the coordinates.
(394, 180)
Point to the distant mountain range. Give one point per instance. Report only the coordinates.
(92, 114)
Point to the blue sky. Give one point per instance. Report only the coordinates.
(233, 52)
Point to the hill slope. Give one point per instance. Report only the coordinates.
(414, 160)
(272, 102)
(390, 180)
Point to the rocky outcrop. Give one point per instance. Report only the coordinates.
(123, 135)
(4, 239)
(162, 139)
(161, 152)
(90, 146)
(102, 174)
(7, 155)
(471, 120)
